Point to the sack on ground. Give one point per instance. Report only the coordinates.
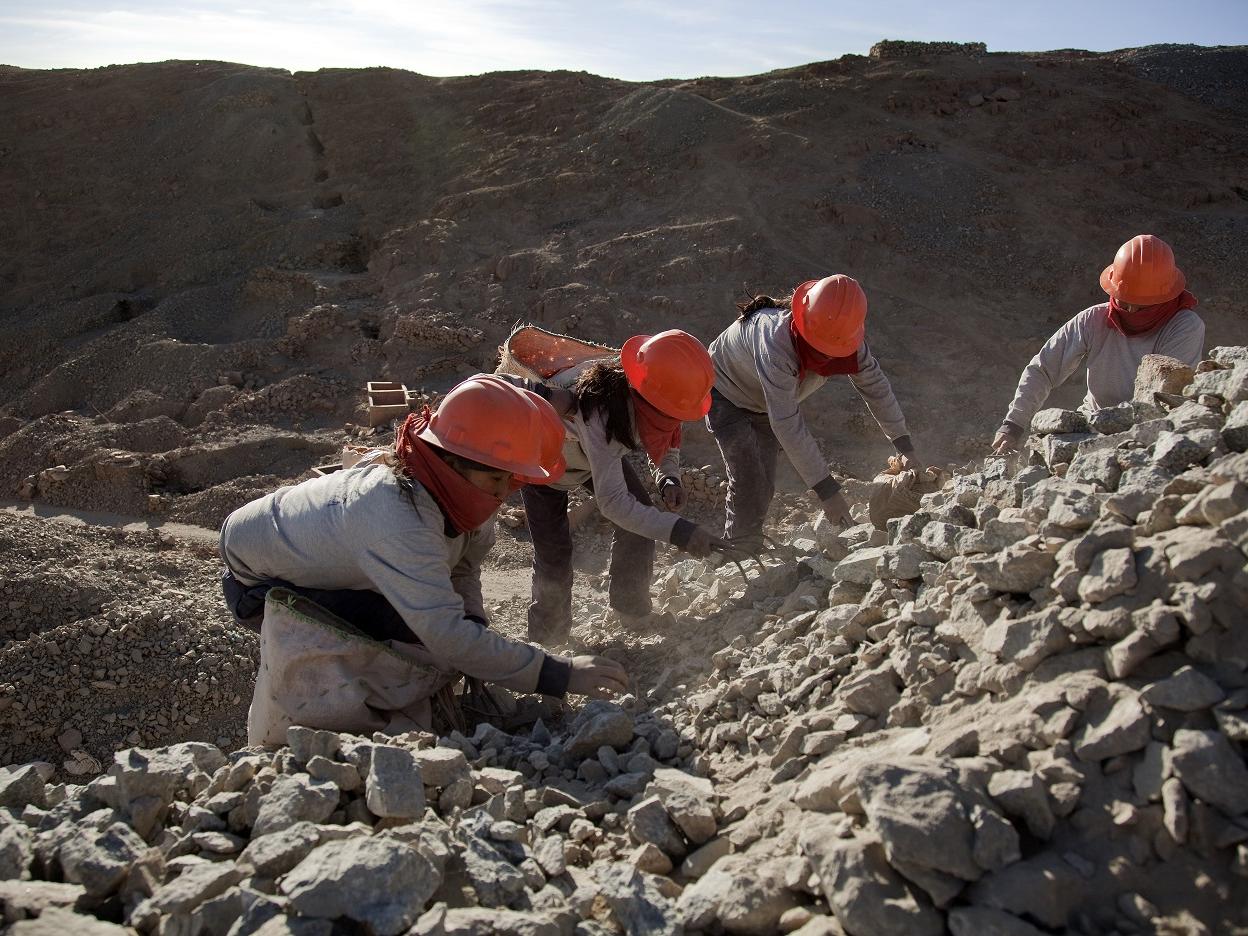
(897, 492)
(318, 671)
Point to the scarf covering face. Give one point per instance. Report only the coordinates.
(465, 505)
(1147, 318)
(658, 431)
(808, 359)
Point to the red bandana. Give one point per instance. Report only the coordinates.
(1147, 318)
(658, 431)
(808, 359)
(465, 505)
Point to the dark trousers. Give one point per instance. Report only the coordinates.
(367, 611)
(750, 451)
(632, 561)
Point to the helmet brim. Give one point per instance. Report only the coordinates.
(630, 360)
(548, 475)
(1177, 285)
(851, 344)
(519, 469)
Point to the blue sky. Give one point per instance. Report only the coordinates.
(634, 39)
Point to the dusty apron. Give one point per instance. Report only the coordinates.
(319, 671)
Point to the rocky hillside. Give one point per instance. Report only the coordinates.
(195, 249)
(1021, 709)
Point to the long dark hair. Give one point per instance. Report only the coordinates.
(752, 305)
(603, 388)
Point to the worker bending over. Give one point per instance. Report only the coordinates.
(776, 354)
(1149, 312)
(394, 555)
(613, 406)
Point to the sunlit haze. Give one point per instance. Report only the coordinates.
(637, 39)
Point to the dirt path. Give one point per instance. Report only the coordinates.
(131, 524)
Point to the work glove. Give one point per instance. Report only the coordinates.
(673, 493)
(703, 542)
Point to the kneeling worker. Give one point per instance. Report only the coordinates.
(394, 555)
(1149, 312)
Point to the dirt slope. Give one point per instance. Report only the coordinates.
(203, 262)
(180, 225)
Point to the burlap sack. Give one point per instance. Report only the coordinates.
(896, 493)
(318, 671)
(536, 354)
(892, 496)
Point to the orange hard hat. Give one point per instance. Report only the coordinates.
(831, 314)
(672, 371)
(553, 435)
(1143, 272)
(490, 421)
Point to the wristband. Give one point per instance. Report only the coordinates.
(826, 488)
(554, 676)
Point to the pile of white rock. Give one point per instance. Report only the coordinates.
(1021, 710)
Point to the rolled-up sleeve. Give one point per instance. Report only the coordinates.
(669, 467)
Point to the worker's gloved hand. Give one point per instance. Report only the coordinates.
(1007, 439)
(836, 509)
(597, 677)
(703, 542)
(673, 493)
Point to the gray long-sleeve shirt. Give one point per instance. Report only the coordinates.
(356, 529)
(756, 369)
(1112, 359)
(591, 457)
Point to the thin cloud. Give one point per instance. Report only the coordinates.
(640, 40)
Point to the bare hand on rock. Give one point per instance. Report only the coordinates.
(1006, 440)
(836, 509)
(597, 677)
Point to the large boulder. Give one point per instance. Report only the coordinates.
(1018, 569)
(1160, 373)
(377, 882)
(1211, 769)
(1113, 726)
(866, 894)
(294, 798)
